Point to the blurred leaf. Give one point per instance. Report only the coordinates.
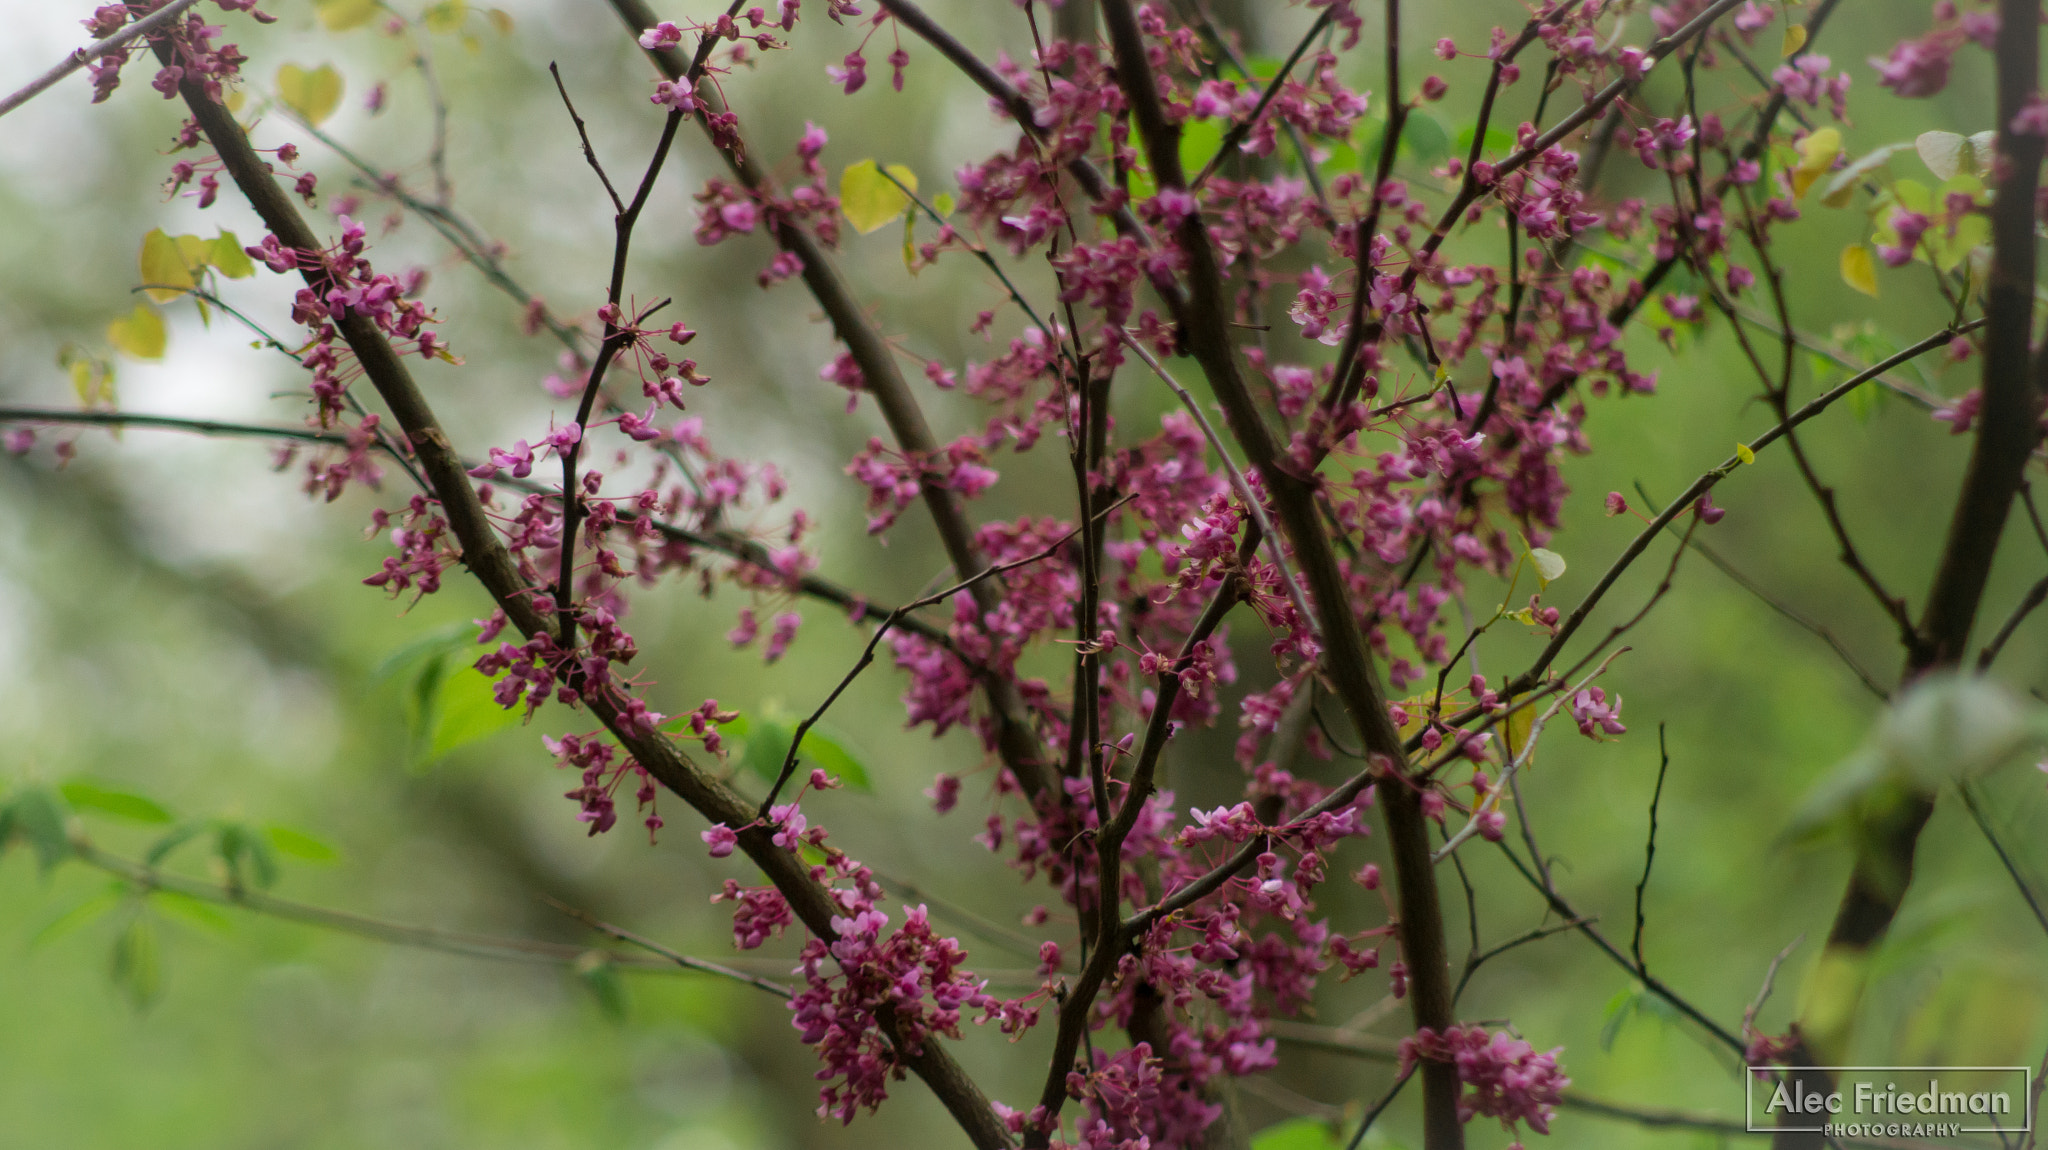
(1297, 1134)
(1942, 152)
(85, 796)
(1619, 1008)
(1817, 154)
(246, 854)
(178, 836)
(200, 914)
(943, 204)
(1978, 1014)
(1859, 270)
(466, 712)
(1946, 728)
(1498, 143)
(94, 907)
(300, 845)
(767, 744)
(1983, 149)
(163, 264)
(342, 15)
(1515, 730)
(137, 963)
(446, 16)
(825, 750)
(313, 95)
(36, 815)
(226, 256)
(1842, 185)
(1795, 39)
(1743, 453)
(1424, 137)
(500, 20)
(595, 970)
(1200, 140)
(869, 199)
(139, 334)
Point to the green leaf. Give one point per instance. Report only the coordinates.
(767, 744)
(943, 204)
(311, 95)
(173, 839)
(1424, 138)
(245, 853)
(137, 963)
(869, 199)
(204, 915)
(1498, 143)
(1200, 140)
(600, 977)
(162, 264)
(300, 845)
(466, 712)
(1297, 1134)
(342, 15)
(1549, 565)
(37, 816)
(827, 751)
(86, 796)
(226, 256)
(97, 906)
(1619, 1008)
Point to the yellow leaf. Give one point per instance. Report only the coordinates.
(1743, 453)
(910, 242)
(341, 15)
(164, 267)
(1817, 154)
(1443, 373)
(1515, 730)
(501, 20)
(312, 95)
(943, 204)
(870, 199)
(1859, 271)
(236, 98)
(84, 381)
(226, 256)
(140, 334)
(446, 16)
(1795, 39)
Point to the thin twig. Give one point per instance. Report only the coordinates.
(2011, 867)
(1243, 128)
(1650, 848)
(78, 58)
(676, 957)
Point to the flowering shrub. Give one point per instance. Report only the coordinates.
(1385, 452)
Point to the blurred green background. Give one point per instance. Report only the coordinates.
(179, 622)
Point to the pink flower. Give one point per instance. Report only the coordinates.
(721, 839)
(1916, 67)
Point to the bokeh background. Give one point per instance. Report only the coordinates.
(178, 621)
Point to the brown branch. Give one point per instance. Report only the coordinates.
(487, 559)
(1346, 661)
